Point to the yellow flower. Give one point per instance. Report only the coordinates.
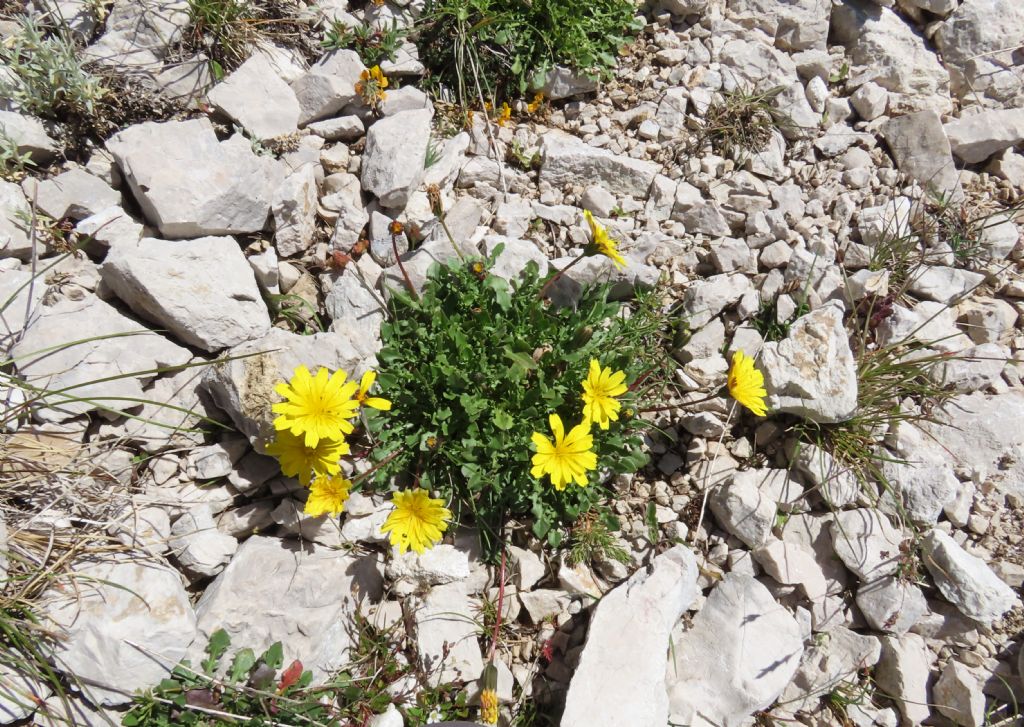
(489, 706)
(317, 407)
(417, 521)
(505, 115)
(599, 391)
(378, 76)
(568, 458)
(327, 496)
(602, 243)
(538, 99)
(364, 389)
(746, 384)
(298, 460)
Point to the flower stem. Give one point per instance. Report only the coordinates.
(408, 281)
(501, 602)
(559, 274)
(451, 239)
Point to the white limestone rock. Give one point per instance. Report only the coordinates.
(922, 489)
(29, 135)
(979, 53)
(834, 658)
(957, 694)
(328, 86)
(812, 371)
(277, 111)
(300, 594)
(199, 546)
(139, 33)
(15, 214)
(902, 673)
(356, 309)
(562, 82)
(392, 166)
(203, 291)
(965, 580)
(621, 675)
(446, 635)
(567, 160)
(867, 543)
(944, 285)
(921, 149)
(705, 299)
(795, 26)
(114, 657)
(744, 511)
(737, 657)
(891, 604)
(104, 373)
(975, 137)
(190, 184)
(879, 39)
(294, 210)
(75, 194)
(441, 564)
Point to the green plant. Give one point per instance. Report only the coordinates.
(766, 320)
(499, 49)
(226, 29)
(433, 155)
(251, 687)
(740, 122)
(886, 377)
(591, 537)
(47, 75)
(521, 159)
(295, 313)
(475, 365)
(373, 44)
(12, 164)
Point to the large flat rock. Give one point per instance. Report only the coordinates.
(189, 184)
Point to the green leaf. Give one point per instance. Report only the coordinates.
(244, 661)
(274, 656)
(503, 420)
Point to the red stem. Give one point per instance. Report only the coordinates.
(559, 274)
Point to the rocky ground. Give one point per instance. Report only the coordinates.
(815, 182)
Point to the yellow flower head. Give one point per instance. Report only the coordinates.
(378, 76)
(601, 243)
(538, 99)
(599, 391)
(327, 496)
(746, 384)
(417, 521)
(489, 706)
(568, 458)
(298, 460)
(505, 115)
(317, 407)
(363, 397)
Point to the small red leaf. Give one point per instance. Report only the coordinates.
(290, 675)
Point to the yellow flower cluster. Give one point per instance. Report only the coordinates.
(371, 85)
(311, 425)
(568, 457)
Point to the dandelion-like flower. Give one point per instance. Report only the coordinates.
(568, 457)
(417, 521)
(599, 391)
(327, 496)
(601, 243)
(489, 706)
(363, 395)
(302, 462)
(538, 99)
(746, 384)
(316, 407)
